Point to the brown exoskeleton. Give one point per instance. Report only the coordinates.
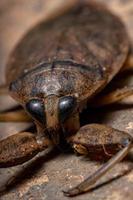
(54, 71)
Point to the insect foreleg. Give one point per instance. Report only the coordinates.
(95, 136)
(19, 148)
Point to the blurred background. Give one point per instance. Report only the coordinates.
(46, 177)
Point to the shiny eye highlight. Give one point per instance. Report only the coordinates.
(36, 108)
(66, 106)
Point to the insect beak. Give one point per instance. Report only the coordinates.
(52, 121)
(53, 131)
(54, 135)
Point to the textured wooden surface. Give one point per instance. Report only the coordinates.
(45, 176)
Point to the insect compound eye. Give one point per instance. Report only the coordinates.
(66, 106)
(36, 108)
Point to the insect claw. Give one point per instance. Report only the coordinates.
(66, 193)
(72, 192)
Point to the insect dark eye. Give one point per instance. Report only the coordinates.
(35, 108)
(66, 107)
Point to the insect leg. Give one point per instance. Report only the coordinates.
(94, 136)
(3, 90)
(19, 148)
(113, 97)
(15, 116)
